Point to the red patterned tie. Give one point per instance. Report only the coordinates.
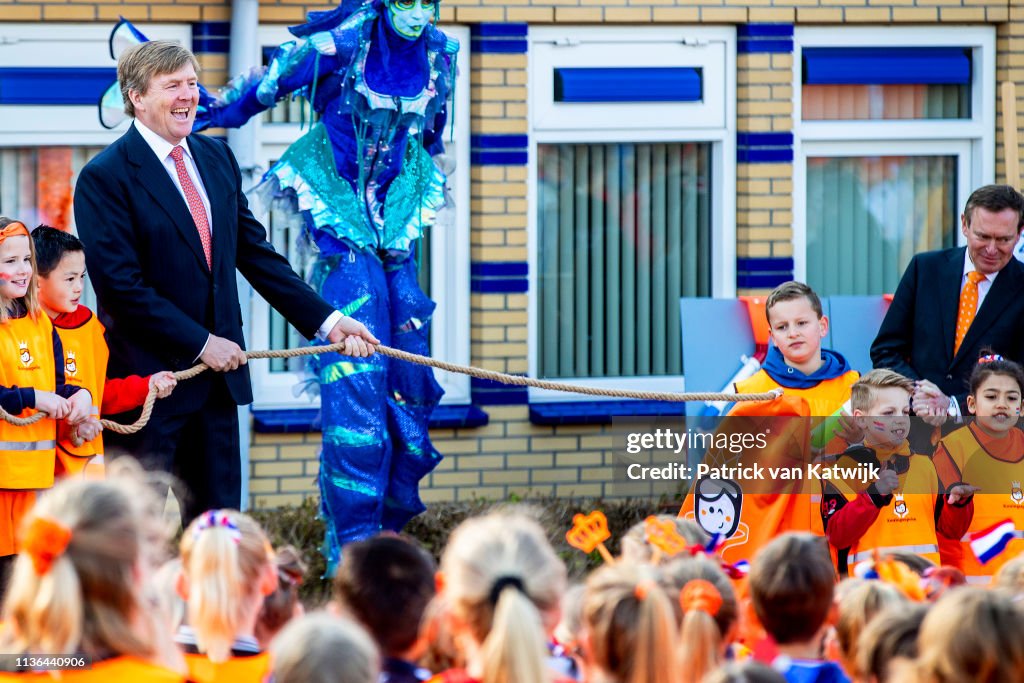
(195, 204)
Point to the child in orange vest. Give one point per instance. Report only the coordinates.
(988, 453)
(227, 568)
(61, 267)
(78, 587)
(818, 379)
(902, 508)
(29, 365)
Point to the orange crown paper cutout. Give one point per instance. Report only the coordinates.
(664, 536)
(589, 532)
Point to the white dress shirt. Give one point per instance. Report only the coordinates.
(162, 149)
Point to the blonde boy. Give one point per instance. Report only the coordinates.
(893, 503)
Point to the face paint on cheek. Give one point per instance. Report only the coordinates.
(410, 17)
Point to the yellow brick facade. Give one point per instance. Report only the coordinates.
(510, 455)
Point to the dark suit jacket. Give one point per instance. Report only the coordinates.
(916, 337)
(158, 299)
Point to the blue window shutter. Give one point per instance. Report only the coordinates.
(887, 65)
(635, 84)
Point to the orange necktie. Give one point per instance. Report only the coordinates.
(968, 308)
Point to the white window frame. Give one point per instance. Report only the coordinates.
(971, 140)
(450, 327)
(64, 45)
(707, 121)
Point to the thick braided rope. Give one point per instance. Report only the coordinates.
(480, 373)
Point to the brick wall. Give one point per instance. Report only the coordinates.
(511, 455)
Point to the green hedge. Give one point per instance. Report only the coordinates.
(300, 526)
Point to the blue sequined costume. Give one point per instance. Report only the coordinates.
(364, 185)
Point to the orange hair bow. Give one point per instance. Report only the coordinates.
(700, 596)
(643, 589)
(13, 229)
(45, 540)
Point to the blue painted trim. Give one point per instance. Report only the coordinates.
(498, 268)
(887, 65)
(599, 412)
(764, 156)
(764, 46)
(498, 141)
(307, 420)
(763, 139)
(202, 29)
(761, 38)
(502, 286)
(762, 281)
(211, 45)
(764, 264)
(628, 84)
(489, 393)
(764, 148)
(500, 46)
(499, 30)
(54, 85)
(763, 272)
(490, 158)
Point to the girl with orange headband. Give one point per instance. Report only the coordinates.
(78, 587)
(31, 381)
(710, 614)
(629, 629)
(227, 569)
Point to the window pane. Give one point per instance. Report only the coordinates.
(37, 185)
(885, 102)
(867, 216)
(625, 231)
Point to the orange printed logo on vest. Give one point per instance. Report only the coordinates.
(24, 354)
(1016, 495)
(70, 364)
(900, 506)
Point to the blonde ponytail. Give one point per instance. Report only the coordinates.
(223, 553)
(632, 625)
(503, 581)
(73, 588)
(709, 611)
(514, 649)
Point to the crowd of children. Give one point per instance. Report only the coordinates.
(498, 609)
(847, 579)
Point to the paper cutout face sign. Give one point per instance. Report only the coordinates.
(717, 504)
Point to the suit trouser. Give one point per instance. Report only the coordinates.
(199, 448)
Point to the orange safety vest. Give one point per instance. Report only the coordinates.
(763, 516)
(996, 466)
(26, 360)
(85, 365)
(125, 669)
(908, 523)
(250, 669)
(823, 399)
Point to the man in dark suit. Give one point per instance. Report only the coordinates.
(165, 225)
(951, 304)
